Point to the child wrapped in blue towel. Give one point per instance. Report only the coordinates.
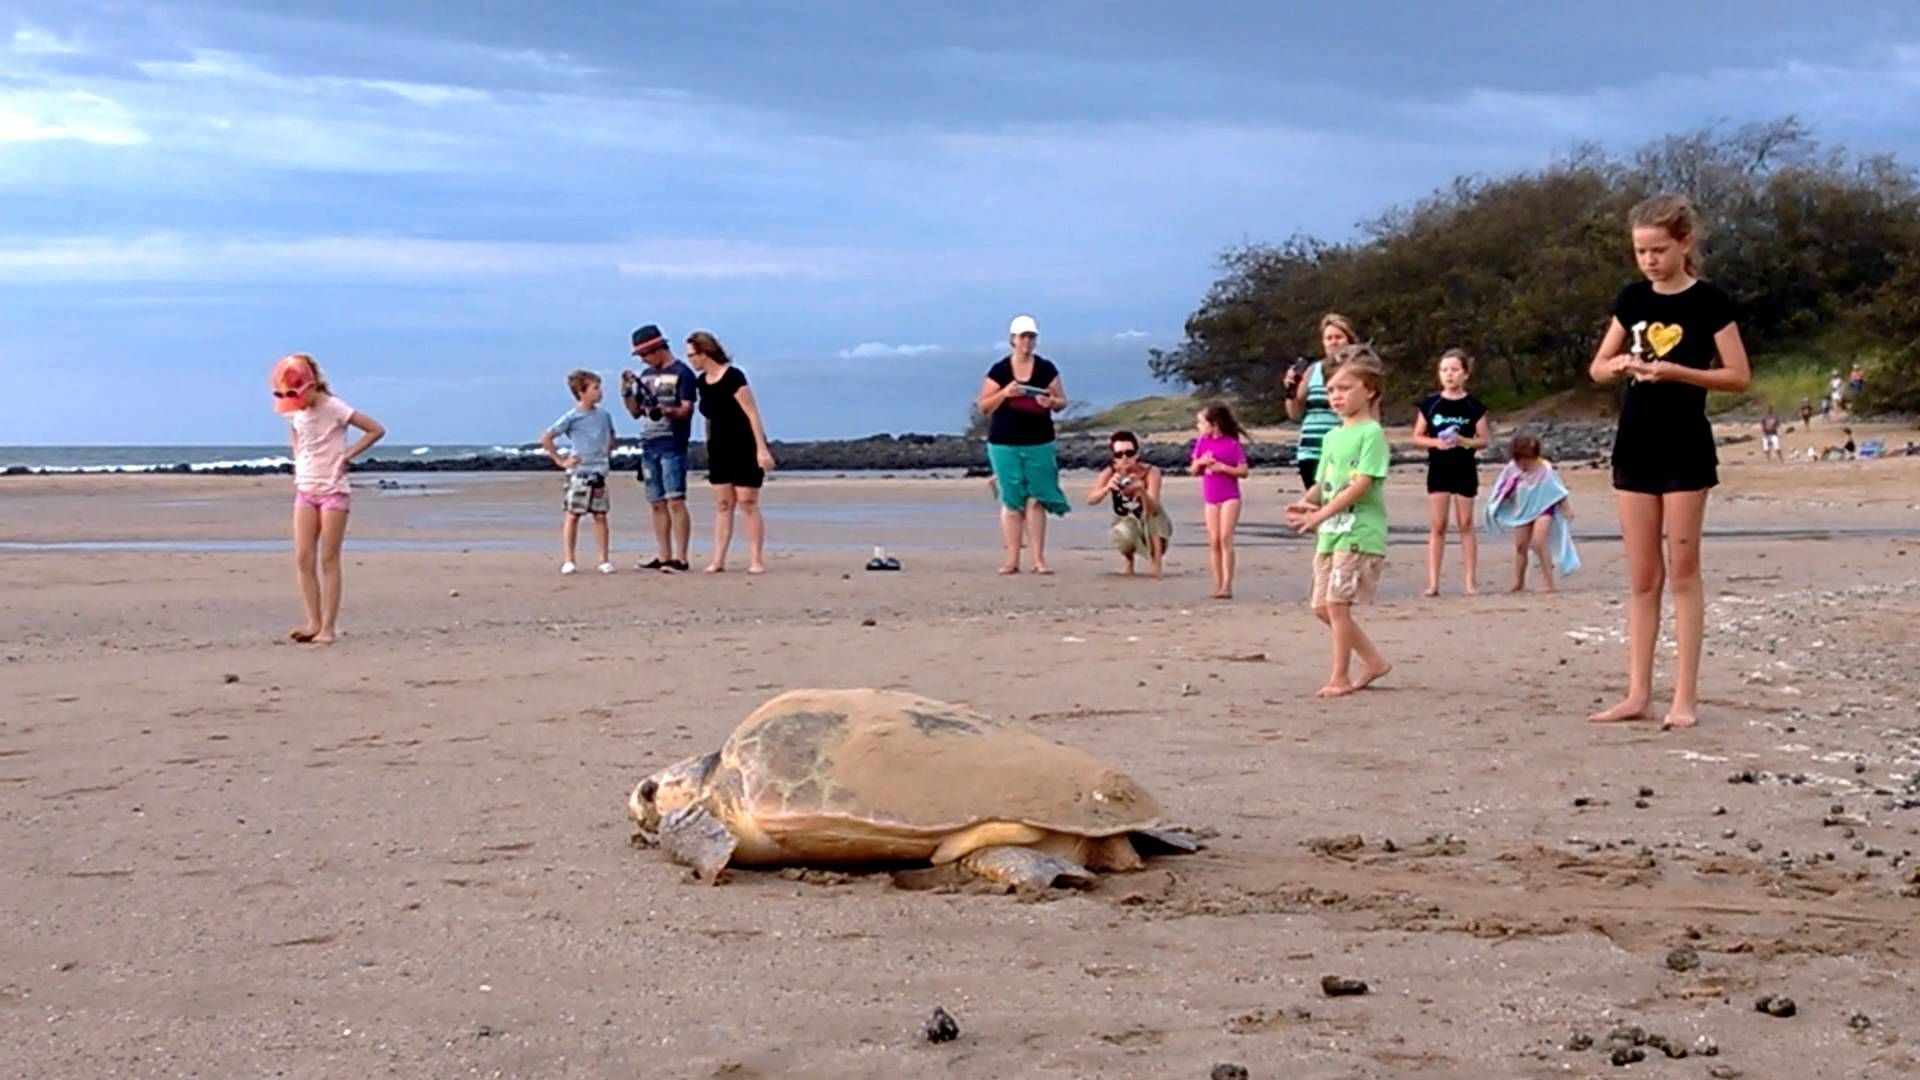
(1529, 501)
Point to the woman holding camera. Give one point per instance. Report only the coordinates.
(1141, 525)
(1306, 387)
(1019, 397)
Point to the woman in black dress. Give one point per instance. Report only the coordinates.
(737, 455)
(1666, 334)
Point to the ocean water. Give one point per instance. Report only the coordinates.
(150, 458)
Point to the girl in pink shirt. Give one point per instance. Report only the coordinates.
(1220, 461)
(318, 437)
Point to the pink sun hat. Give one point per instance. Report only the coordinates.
(293, 378)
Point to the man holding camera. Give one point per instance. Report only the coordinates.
(660, 396)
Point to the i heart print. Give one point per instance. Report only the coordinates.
(1663, 337)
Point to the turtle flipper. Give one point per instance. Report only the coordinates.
(1025, 868)
(692, 835)
(1163, 842)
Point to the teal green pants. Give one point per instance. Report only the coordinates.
(1026, 474)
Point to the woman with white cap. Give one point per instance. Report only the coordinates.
(1019, 397)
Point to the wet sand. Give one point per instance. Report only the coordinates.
(407, 855)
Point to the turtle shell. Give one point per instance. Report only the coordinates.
(876, 764)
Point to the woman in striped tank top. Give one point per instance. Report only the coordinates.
(1307, 396)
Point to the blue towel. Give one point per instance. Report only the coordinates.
(1520, 497)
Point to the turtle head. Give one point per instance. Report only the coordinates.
(670, 789)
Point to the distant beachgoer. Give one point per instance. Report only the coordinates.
(1664, 461)
(1852, 450)
(1220, 461)
(1306, 389)
(1529, 501)
(1452, 424)
(1770, 436)
(1348, 509)
(588, 429)
(1806, 413)
(1856, 383)
(1141, 525)
(1836, 393)
(738, 457)
(322, 499)
(1019, 396)
(663, 394)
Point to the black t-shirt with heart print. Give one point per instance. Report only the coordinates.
(1678, 328)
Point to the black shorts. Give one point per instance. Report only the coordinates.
(1657, 469)
(1664, 477)
(1453, 478)
(735, 468)
(1309, 472)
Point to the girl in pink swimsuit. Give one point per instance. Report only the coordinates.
(318, 436)
(1220, 462)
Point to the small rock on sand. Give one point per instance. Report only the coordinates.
(1779, 1006)
(1225, 1071)
(1340, 986)
(1683, 959)
(229, 678)
(941, 1026)
(1626, 1055)
(1579, 1041)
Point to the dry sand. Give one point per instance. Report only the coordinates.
(407, 855)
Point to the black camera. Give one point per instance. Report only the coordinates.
(654, 413)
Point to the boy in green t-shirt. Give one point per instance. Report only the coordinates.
(1348, 506)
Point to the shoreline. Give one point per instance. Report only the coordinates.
(1573, 442)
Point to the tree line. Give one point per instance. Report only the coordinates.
(1815, 244)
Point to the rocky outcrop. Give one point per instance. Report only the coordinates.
(1569, 443)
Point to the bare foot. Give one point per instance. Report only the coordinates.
(303, 635)
(1223, 594)
(1626, 710)
(1470, 590)
(1156, 571)
(715, 568)
(1432, 590)
(1518, 586)
(756, 568)
(1010, 568)
(1678, 717)
(1548, 587)
(1368, 676)
(324, 637)
(1042, 568)
(1128, 572)
(1334, 689)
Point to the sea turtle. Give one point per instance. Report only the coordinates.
(873, 777)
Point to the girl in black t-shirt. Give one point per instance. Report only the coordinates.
(738, 458)
(1665, 336)
(1452, 424)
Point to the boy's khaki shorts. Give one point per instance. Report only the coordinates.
(586, 494)
(1346, 577)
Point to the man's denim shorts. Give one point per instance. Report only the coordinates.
(665, 473)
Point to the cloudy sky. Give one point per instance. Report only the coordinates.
(452, 211)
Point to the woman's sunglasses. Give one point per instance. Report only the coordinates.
(1126, 453)
(289, 393)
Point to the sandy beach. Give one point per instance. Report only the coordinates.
(407, 855)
